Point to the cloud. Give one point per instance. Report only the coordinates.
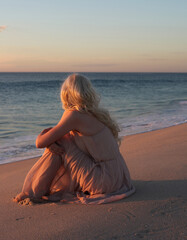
(3, 27)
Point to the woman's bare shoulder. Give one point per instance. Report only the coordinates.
(73, 114)
(87, 124)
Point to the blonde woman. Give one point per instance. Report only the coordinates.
(81, 162)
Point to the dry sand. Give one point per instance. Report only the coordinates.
(158, 164)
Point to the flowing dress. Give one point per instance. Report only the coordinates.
(82, 169)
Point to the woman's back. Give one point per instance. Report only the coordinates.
(87, 124)
(101, 146)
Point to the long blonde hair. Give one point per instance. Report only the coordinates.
(78, 93)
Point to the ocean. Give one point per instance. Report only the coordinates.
(140, 102)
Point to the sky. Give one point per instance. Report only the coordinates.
(93, 36)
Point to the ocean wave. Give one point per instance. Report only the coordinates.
(183, 102)
(18, 149)
(146, 123)
(47, 83)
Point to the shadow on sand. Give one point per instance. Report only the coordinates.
(158, 190)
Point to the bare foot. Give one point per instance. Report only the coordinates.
(20, 196)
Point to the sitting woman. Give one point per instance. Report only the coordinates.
(81, 162)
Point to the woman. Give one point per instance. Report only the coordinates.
(82, 162)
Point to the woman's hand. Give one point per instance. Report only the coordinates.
(45, 130)
(68, 122)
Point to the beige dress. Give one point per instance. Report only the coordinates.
(79, 168)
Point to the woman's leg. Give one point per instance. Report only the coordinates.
(38, 180)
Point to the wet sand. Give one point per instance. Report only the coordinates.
(157, 161)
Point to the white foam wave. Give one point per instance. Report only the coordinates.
(149, 123)
(19, 148)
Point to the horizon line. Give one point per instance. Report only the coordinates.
(88, 72)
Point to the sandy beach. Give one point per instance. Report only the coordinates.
(157, 162)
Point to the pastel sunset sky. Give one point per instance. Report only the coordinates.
(88, 36)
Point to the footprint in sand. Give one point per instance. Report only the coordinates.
(148, 233)
(126, 213)
(21, 218)
(172, 207)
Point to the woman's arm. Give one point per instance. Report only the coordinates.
(68, 122)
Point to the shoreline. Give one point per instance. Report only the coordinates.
(122, 139)
(157, 129)
(157, 164)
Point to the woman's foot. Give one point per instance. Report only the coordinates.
(24, 199)
(21, 196)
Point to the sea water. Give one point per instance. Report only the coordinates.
(140, 102)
